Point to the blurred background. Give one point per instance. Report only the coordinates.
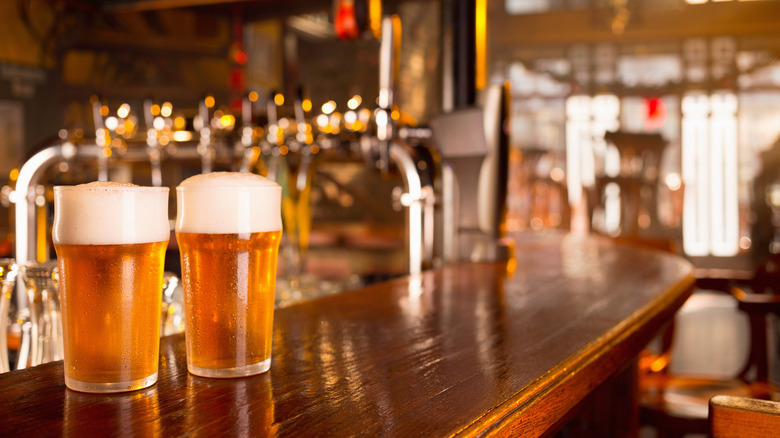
(657, 118)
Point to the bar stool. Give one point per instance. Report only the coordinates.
(547, 200)
(637, 180)
(677, 404)
(731, 416)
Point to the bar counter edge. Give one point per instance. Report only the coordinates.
(475, 349)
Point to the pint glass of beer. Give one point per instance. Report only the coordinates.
(110, 240)
(228, 227)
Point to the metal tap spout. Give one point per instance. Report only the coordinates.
(418, 198)
(24, 194)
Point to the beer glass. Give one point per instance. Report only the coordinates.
(110, 240)
(8, 271)
(43, 297)
(228, 226)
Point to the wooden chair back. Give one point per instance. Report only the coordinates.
(742, 417)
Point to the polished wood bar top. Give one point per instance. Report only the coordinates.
(471, 349)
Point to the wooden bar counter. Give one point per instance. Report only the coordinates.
(472, 349)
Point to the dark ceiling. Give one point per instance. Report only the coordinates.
(251, 10)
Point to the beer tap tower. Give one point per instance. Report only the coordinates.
(387, 148)
(417, 198)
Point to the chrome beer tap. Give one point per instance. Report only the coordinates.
(205, 146)
(416, 197)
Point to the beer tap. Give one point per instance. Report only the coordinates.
(206, 146)
(389, 49)
(152, 143)
(416, 197)
(25, 198)
(246, 144)
(274, 138)
(303, 174)
(302, 139)
(102, 138)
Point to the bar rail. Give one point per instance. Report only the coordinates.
(474, 349)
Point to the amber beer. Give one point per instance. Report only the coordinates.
(110, 240)
(228, 227)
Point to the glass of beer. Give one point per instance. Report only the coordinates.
(8, 272)
(110, 240)
(228, 226)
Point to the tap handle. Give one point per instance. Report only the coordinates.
(300, 113)
(148, 116)
(272, 109)
(389, 50)
(246, 111)
(97, 111)
(203, 113)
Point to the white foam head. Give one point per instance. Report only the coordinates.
(228, 202)
(106, 213)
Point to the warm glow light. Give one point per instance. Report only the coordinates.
(158, 123)
(381, 118)
(395, 115)
(659, 364)
(182, 136)
(227, 120)
(14, 174)
(354, 102)
(155, 110)
(100, 136)
(350, 117)
(322, 120)
(481, 38)
(279, 99)
(104, 110)
(375, 17)
(166, 110)
(253, 96)
(306, 104)
(111, 123)
(123, 111)
(328, 107)
(283, 149)
(179, 123)
(209, 101)
(673, 181)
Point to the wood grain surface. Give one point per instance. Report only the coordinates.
(472, 349)
(740, 417)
